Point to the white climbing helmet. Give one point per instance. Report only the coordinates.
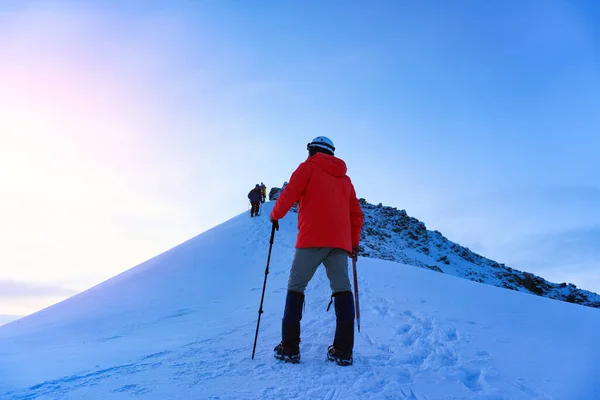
(322, 142)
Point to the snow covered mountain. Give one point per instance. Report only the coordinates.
(391, 234)
(181, 326)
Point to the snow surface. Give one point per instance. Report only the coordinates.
(181, 326)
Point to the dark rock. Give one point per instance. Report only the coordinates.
(435, 268)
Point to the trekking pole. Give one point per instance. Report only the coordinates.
(354, 257)
(260, 309)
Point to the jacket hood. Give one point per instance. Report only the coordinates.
(330, 164)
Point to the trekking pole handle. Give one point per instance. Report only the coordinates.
(272, 234)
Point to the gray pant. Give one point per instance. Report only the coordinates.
(306, 262)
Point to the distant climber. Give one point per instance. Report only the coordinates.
(263, 191)
(255, 197)
(329, 221)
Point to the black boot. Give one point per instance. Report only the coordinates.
(289, 348)
(343, 343)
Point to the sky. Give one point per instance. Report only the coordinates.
(129, 127)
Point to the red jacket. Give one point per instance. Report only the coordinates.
(329, 214)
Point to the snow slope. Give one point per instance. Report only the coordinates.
(181, 326)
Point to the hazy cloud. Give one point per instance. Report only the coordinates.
(571, 256)
(552, 231)
(517, 213)
(10, 289)
(5, 319)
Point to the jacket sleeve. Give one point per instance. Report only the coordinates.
(292, 192)
(356, 217)
(250, 194)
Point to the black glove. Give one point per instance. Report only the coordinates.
(275, 224)
(354, 254)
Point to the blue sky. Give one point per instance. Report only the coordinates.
(129, 127)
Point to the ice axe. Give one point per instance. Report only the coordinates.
(354, 258)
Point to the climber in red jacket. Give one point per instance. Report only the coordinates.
(329, 224)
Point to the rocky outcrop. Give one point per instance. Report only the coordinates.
(391, 234)
(275, 191)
